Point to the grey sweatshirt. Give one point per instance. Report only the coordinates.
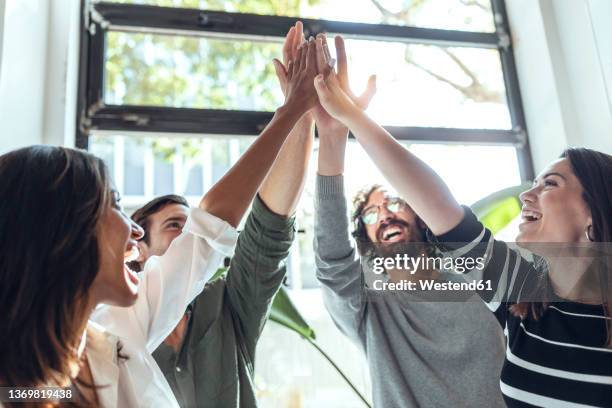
(420, 354)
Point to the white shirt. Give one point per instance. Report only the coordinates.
(167, 286)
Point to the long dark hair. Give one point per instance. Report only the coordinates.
(594, 171)
(51, 200)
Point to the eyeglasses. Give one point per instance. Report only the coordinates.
(369, 216)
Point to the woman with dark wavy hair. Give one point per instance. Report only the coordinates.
(64, 244)
(56, 208)
(555, 313)
(63, 249)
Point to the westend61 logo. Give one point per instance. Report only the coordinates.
(428, 274)
(405, 262)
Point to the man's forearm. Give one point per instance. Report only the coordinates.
(338, 265)
(332, 148)
(232, 195)
(255, 272)
(283, 185)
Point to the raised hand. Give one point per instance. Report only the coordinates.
(284, 183)
(325, 123)
(293, 40)
(333, 99)
(298, 77)
(363, 100)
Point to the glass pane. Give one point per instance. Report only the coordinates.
(195, 182)
(179, 71)
(220, 158)
(134, 167)
(104, 148)
(418, 85)
(468, 15)
(471, 172)
(431, 86)
(149, 166)
(208, 158)
(164, 176)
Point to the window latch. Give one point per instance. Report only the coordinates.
(213, 19)
(138, 120)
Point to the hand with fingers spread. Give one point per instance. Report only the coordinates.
(326, 124)
(300, 97)
(363, 100)
(298, 77)
(334, 99)
(325, 65)
(293, 40)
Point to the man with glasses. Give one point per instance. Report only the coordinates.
(422, 352)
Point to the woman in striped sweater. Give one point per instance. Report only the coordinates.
(555, 313)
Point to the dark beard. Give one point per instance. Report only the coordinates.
(388, 250)
(397, 222)
(412, 246)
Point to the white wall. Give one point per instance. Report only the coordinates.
(600, 13)
(563, 54)
(38, 73)
(22, 81)
(2, 5)
(62, 73)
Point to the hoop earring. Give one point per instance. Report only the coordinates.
(587, 234)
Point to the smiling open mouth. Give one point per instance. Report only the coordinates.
(131, 255)
(530, 216)
(391, 232)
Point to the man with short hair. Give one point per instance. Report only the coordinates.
(162, 219)
(209, 358)
(421, 353)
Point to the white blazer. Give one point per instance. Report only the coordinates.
(167, 285)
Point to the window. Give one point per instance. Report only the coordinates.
(445, 67)
(172, 92)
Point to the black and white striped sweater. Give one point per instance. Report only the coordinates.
(559, 360)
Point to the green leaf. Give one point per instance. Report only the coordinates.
(219, 273)
(286, 314)
(498, 210)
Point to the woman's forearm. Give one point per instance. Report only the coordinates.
(284, 183)
(414, 180)
(230, 197)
